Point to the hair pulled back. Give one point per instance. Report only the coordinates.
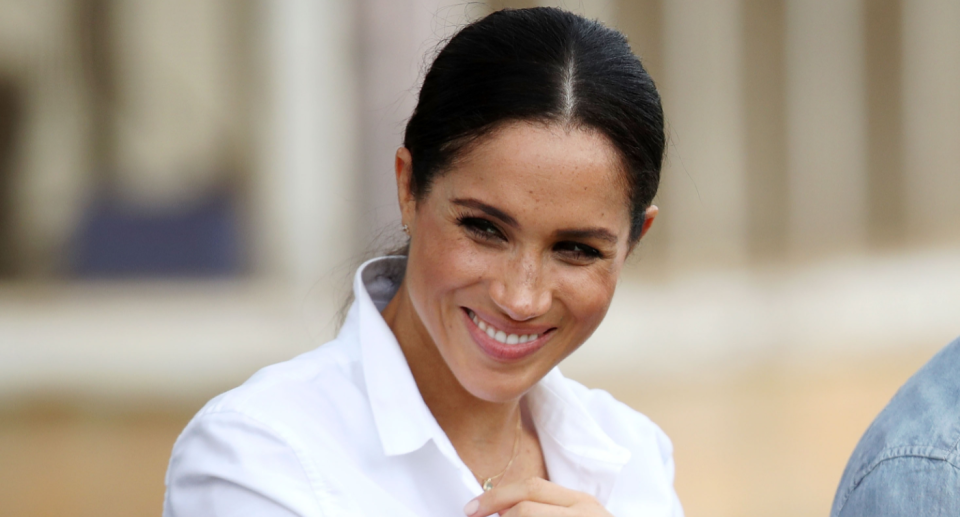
(541, 65)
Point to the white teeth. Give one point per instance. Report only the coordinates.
(499, 335)
(478, 321)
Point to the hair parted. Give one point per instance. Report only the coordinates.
(540, 65)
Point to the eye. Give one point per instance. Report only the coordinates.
(481, 228)
(577, 252)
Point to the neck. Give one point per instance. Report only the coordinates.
(483, 432)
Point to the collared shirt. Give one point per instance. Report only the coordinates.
(907, 463)
(342, 431)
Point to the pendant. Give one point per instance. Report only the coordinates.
(488, 485)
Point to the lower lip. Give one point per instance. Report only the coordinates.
(502, 351)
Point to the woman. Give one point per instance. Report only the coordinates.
(525, 180)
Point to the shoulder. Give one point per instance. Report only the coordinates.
(261, 443)
(300, 404)
(626, 426)
(317, 379)
(926, 409)
(905, 485)
(914, 439)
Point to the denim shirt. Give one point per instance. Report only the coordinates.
(908, 463)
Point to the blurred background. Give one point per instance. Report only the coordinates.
(187, 185)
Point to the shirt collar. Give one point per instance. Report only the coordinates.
(403, 420)
(579, 453)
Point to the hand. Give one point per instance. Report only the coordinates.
(535, 497)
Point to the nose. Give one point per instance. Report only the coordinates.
(521, 291)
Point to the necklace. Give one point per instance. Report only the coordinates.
(488, 482)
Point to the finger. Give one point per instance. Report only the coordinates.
(532, 509)
(532, 489)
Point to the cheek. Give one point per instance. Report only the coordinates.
(445, 260)
(586, 295)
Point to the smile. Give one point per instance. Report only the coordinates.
(501, 345)
(499, 335)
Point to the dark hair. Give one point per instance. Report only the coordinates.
(545, 65)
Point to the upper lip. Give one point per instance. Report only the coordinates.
(511, 327)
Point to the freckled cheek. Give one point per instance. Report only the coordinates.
(446, 262)
(587, 299)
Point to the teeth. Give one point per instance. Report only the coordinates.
(499, 335)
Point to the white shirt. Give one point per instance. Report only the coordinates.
(342, 431)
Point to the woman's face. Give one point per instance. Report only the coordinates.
(515, 252)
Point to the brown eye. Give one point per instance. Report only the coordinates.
(577, 251)
(481, 228)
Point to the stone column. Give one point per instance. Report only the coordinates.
(765, 126)
(50, 157)
(176, 98)
(398, 39)
(826, 129)
(307, 179)
(884, 72)
(703, 195)
(931, 115)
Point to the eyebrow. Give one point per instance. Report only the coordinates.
(570, 234)
(492, 211)
(586, 234)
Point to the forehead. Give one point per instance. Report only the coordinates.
(544, 167)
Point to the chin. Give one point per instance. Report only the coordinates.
(492, 389)
(499, 385)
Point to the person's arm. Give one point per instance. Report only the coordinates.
(227, 464)
(906, 486)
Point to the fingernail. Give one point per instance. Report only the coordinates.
(471, 507)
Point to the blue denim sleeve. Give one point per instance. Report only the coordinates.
(907, 486)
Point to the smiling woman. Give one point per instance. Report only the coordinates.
(524, 182)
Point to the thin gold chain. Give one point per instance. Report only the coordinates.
(487, 483)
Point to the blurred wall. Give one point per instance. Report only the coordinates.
(798, 129)
(186, 187)
(49, 158)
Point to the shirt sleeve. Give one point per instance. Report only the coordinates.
(228, 464)
(906, 487)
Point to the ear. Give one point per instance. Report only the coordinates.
(648, 218)
(403, 165)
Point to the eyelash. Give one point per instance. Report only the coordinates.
(480, 228)
(486, 230)
(584, 251)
